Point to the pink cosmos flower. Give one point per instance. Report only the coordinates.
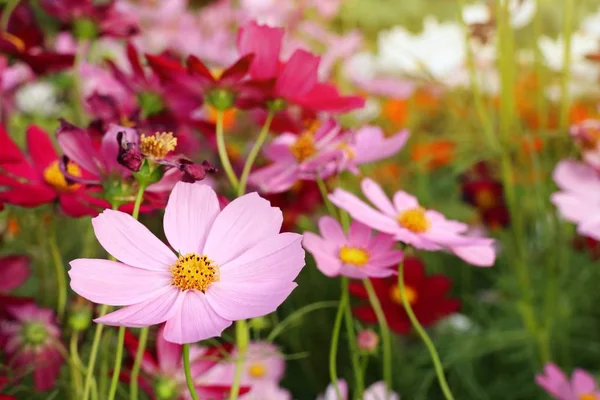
(587, 135)
(14, 271)
(294, 81)
(376, 391)
(358, 255)
(581, 386)
(579, 198)
(410, 223)
(164, 376)
(30, 341)
(227, 265)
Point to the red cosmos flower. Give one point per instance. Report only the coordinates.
(25, 41)
(427, 296)
(164, 376)
(35, 179)
(294, 81)
(109, 20)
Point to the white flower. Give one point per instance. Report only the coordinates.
(438, 50)
(37, 98)
(521, 13)
(591, 25)
(477, 13)
(458, 323)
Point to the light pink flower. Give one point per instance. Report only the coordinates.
(356, 255)
(367, 340)
(579, 198)
(376, 391)
(581, 386)
(14, 270)
(410, 223)
(267, 391)
(331, 394)
(229, 265)
(30, 341)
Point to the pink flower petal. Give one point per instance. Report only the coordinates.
(481, 254)
(404, 201)
(324, 253)
(131, 242)
(590, 228)
(195, 320)
(298, 76)
(251, 299)
(359, 235)
(167, 353)
(190, 212)
(372, 145)
(243, 223)
(164, 304)
(573, 207)
(277, 177)
(265, 43)
(77, 145)
(377, 196)
(577, 177)
(278, 257)
(583, 382)
(114, 283)
(40, 148)
(332, 231)
(360, 211)
(386, 259)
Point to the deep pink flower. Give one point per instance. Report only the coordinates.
(581, 386)
(36, 178)
(294, 81)
(410, 223)
(579, 198)
(229, 265)
(14, 270)
(30, 341)
(356, 255)
(163, 373)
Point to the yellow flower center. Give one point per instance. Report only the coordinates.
(193, 271)
(55, 178)
(414, 220)
(304, 147)
(347, 149)
(587, 396)
(126, 122)
(217, 72)
(257, 370)
(410, 293)
(354, 256)
(17, 42)
(485, 199)
(158, 145)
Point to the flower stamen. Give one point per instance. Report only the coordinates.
(410, 293)
(55, 178)
(304, 147)
(354, 256)
(414, 220)
(194, 271)
(158, 145)
(257, 370)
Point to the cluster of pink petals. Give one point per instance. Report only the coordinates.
(326, 250)
(376, 391)
(441, 234)
(335, 151)
(579, 198)
(257, 265)
(44, 358)
(582, 385)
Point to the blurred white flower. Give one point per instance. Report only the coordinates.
(37, 98)
(521, 13)
(458, 323)
(477, 13)
(591, 24)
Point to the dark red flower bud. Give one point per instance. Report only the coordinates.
(129, 155)
(193, 172)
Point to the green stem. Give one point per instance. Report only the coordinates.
(188, 374)
(335, 337)
(73, 356)
(8, 10)
(566, 71)
(325, 195)
(137, 363)
(353, 347)
(241, 339)
(439, 370)
(138, 201)
(225, 163)
(93, 353)
(117, 368)
(385, 335)
(59, 266)
(262, 137)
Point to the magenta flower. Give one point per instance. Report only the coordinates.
(14, 271)
(358, 255)
(581, 386)
(30, 341)
(228, 265)
(410, 223)
(579, 198)
(294, 81)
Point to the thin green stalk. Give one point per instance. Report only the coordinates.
(105, 350)
(118, 360)
(353, 347)
(138, 201)
(385, 335)
(439, 369)
(335, 337)
(296, 315)
(242, 338)
(73, 356)
(566, 71)
(93, 354)
(260, 141)
(59, 267)
(188, 374)
(328, 204)
(8, 10)
(541, 104)
(225, 163)
(137, 363)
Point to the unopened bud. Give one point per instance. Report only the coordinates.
(367, 341)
